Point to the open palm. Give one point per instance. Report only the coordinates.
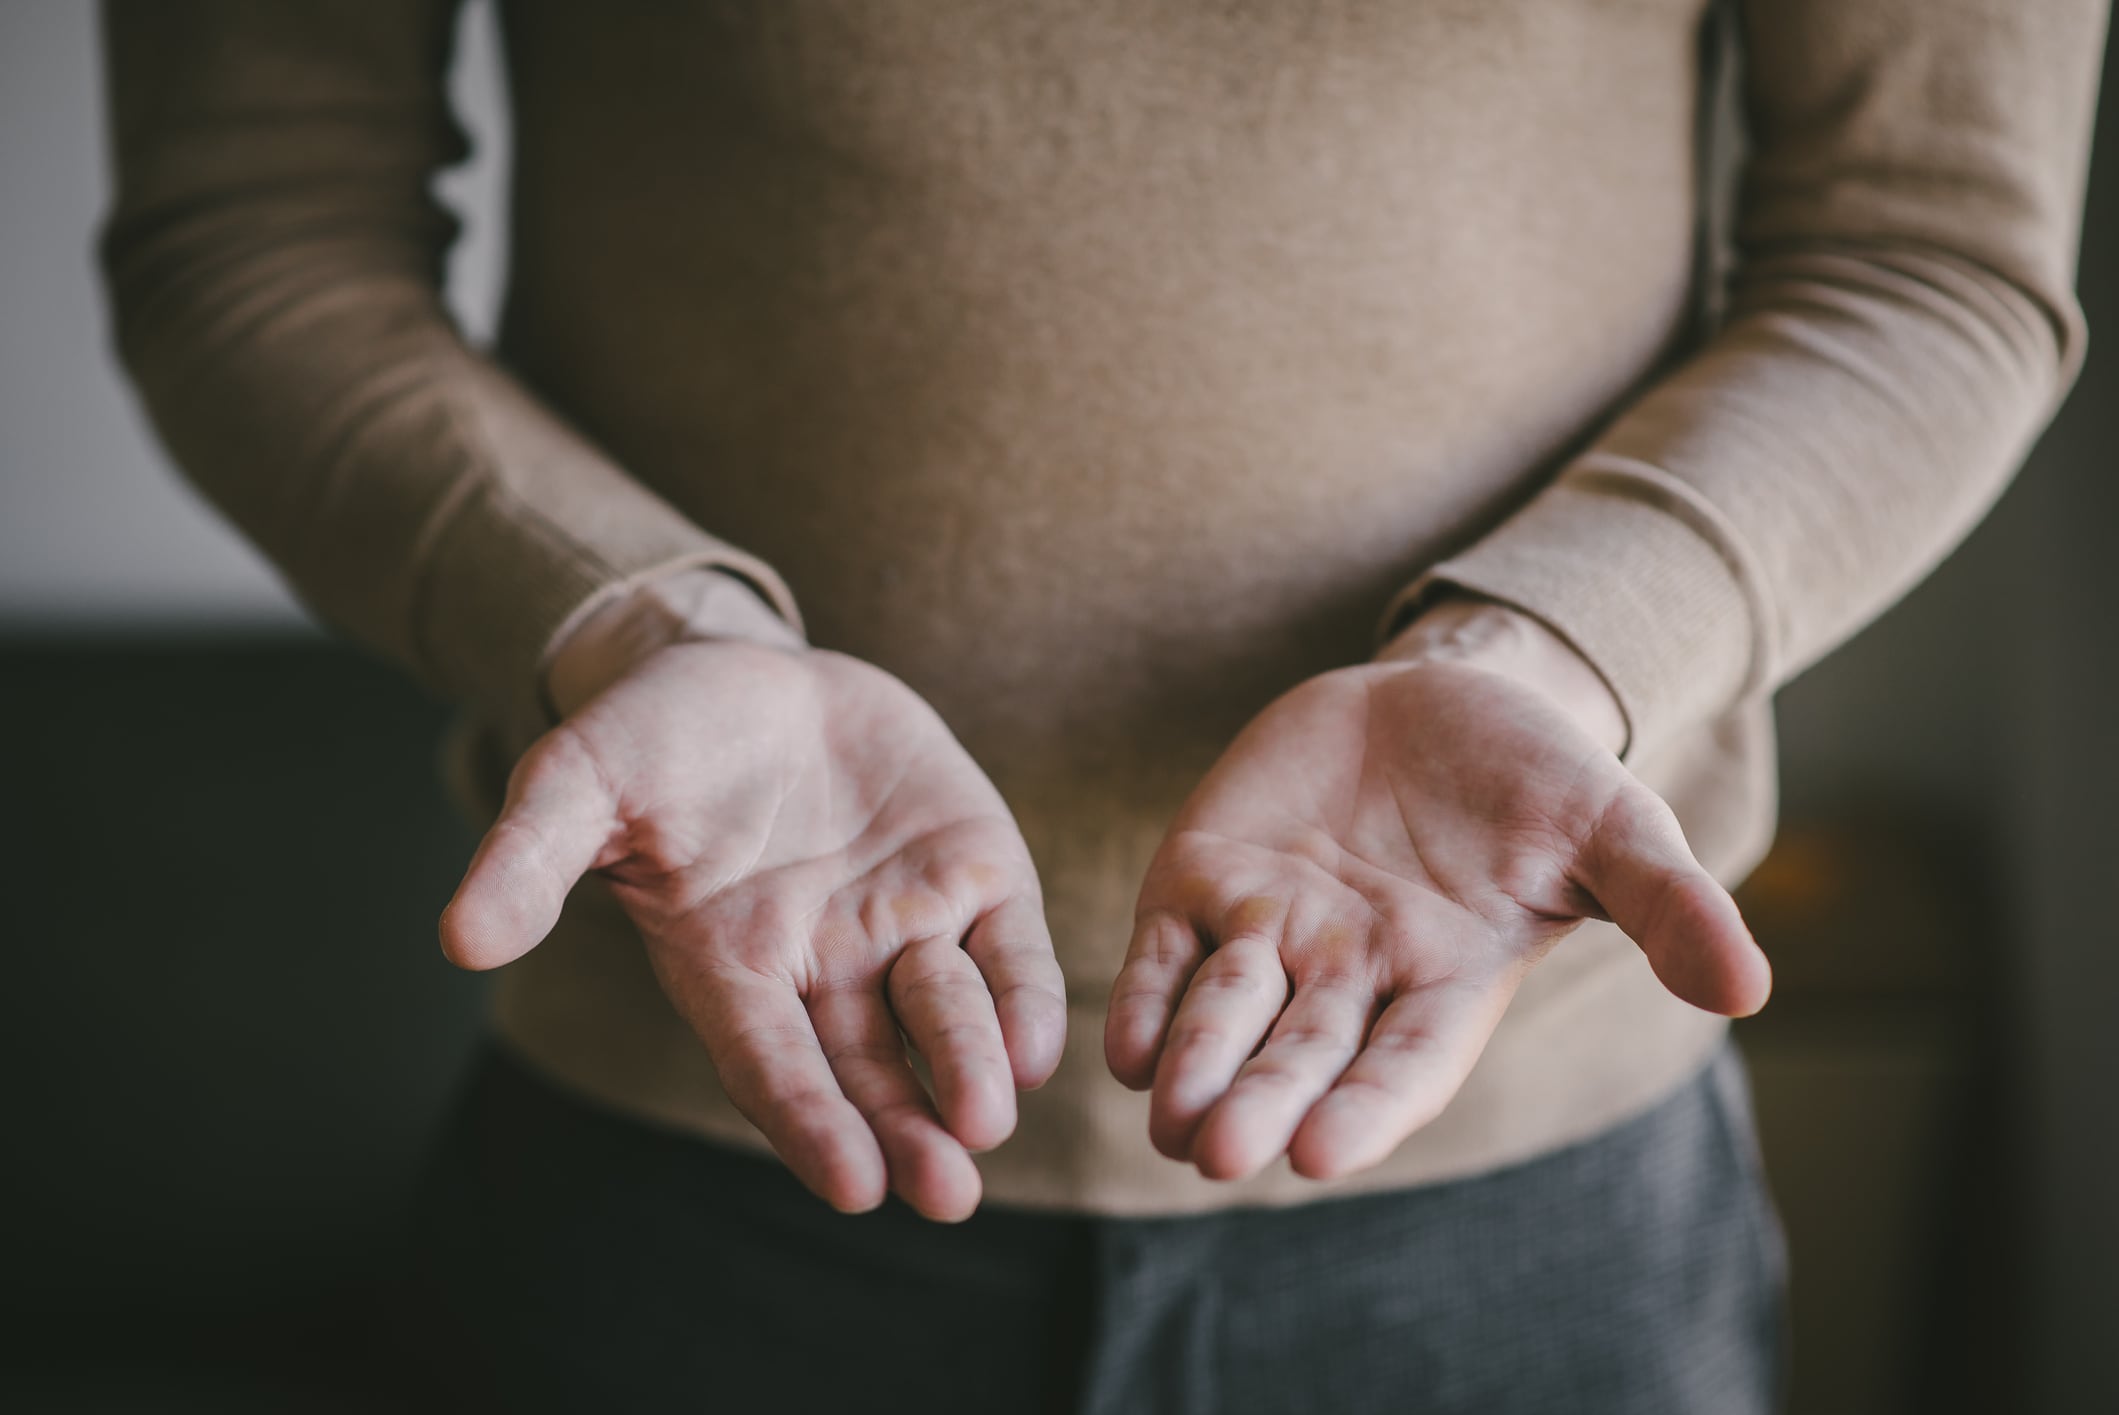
(1343, 909)
(815, 864)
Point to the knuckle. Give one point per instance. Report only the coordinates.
(1399, 1045)
(1332, 975)
(1162, 939)
(761, 1041)
(1195, 1039)
(1254, 916)
(520, 841)
(969, 879)
(1364, 1090)
(1239, 981)
(1269, 1074)
(898, 1112)
(800, 1104)
(930, 988)
(1308, 1039)
(1037, 992)
(555, 755)
(1332, 949)
(867, 1051)
(969, 1039)
(559, 759)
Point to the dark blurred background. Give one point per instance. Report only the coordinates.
(228, 1034)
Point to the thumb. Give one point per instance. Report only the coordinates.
(1645, 878)
(559, 817)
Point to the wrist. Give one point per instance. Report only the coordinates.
(697, 605)
(1487, 634)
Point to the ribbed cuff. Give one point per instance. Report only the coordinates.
(700, 597)
(543, 530)
(1645, 579)
(503, 586)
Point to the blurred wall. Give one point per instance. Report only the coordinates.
(227, 1033)
(2058, 806)
(94, 529)
(1984, 704)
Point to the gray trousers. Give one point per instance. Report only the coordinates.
(585, 1262)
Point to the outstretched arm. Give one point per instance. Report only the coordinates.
(818, 870)
(1356, 889)
(274, 260)
(1901, 323)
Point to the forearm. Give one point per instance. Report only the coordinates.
(273, 262)
(1778, 493)
(1901, 325)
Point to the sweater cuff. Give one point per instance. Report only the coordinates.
(504, 587)
(1645, 579)
(540, 530)
(612, 632)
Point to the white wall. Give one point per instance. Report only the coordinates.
(95, 529)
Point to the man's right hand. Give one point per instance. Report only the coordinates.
(814, 863)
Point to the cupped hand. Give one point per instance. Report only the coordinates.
(820, 874)
(1339, 915)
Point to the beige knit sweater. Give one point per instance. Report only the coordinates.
(1102, 368)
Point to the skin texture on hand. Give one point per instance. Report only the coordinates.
(1341, 912)
(814, 863)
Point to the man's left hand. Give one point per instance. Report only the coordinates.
(1341, 912)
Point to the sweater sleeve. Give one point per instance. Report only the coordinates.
(273, 262)
(1900, 325)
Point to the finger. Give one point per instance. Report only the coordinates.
(1414, 1062)
(557, 820)
(767, 1055)
(1230, 1002)
(1310, 1047)
(1644, 876)
(1165, 952)
(929, 1169)
(943, 1005)
(1012, 949)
